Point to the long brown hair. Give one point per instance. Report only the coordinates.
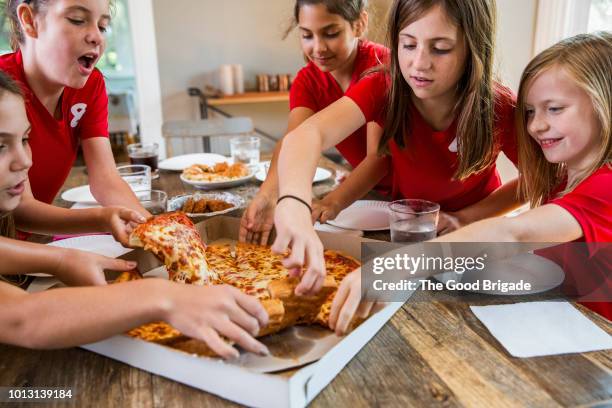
(587, 58)
(475, 105)
(7, 223)
(7, 84)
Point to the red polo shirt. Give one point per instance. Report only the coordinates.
(55, 142)
(315, 90)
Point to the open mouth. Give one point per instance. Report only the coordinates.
(88, 61)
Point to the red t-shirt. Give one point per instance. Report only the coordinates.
(425, 168)
(316, 90)
(588, 267)
(55, 142)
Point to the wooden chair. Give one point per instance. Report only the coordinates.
(184, 130)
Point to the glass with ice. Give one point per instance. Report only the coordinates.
(413, 220)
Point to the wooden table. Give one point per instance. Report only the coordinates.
(431, 353)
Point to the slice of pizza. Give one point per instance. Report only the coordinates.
(173, 238)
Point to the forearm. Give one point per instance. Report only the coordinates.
(361, 181)
(41, 218)
(298, 160)
(21, 257)
(499, 202)
(499, 229)
(72, 316)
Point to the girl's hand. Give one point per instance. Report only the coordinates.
(448, 222)
(347, 304)
(324, 210)
(120, 221)
(257, 220)
(82, 268)
(207, 313)
(295, 231)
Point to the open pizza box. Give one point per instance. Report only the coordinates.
(303, 360)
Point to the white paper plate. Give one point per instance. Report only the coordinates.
(99, 244)
(320, 175)
(80, 194)
(364, 215)
(210, 185)
(542, 273)
(175, 203)
(179, 163)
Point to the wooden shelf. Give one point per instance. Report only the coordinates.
(249, 97)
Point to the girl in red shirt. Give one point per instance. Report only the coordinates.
(445, 121)
(57, 44)
(565, 163)
(330, 32)
(78, 315)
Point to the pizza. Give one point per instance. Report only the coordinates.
(173, 238)
(253, 269)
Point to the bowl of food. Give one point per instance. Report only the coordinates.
(205, 204)
(220, 175)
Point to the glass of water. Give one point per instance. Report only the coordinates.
(137, 176)
(245, 149)
(413, 220)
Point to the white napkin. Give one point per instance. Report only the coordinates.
(542, 328)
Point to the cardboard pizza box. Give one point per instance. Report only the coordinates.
(291, 380)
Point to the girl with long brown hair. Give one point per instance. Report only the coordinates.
(445, 120)
(564, 123)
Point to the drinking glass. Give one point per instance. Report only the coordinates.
(146, 154)
(138, 176)
(245, 149)
(413, 220)
(154, 201)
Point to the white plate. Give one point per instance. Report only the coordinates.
(542, 273)
(80, 194)
(99, 244)
(179, 163)
(364, 215)
(209, 185)
(320, 175)
(175, 203)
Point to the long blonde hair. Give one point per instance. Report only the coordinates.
(476, 19)
(587, 58)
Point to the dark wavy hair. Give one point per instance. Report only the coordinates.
(350, 10)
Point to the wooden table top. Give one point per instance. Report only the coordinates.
(431, 353)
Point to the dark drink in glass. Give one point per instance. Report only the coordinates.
(146, 159)
(145, 154)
